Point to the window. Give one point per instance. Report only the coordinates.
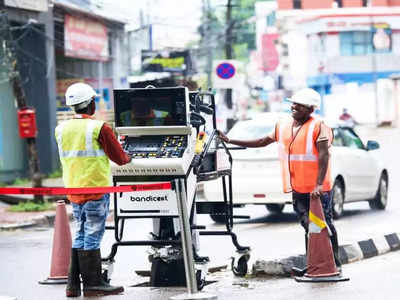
(351, 140)
(337, 138)
(249, 130)
(271, 19)
(355, 43)
(297, 4)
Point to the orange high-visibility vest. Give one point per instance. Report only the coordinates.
(299, 156)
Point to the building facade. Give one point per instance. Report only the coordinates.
(56, 43)
(351, 51)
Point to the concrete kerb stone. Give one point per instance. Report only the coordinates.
(348, 253)
(44, 220)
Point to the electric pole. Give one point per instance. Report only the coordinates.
(207, 33)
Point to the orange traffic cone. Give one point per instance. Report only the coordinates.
(321, 265)
(62, 244)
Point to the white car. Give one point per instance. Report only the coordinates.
(357, 170)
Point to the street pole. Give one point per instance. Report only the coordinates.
(373, 65)
(207, 43)
(374, 78)
(228, 54)
(15, 80)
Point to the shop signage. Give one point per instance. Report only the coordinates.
(381, 38)
(85, 38)
(269, 54)
(167, 61)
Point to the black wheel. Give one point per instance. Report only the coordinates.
(105, 276)
(337, 199)
(218, 218)
(381, 197)
(275, 208)
(200, 281)
(241, 269)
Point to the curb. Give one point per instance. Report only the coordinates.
(347, 253)
(13, 199)
(45, 220)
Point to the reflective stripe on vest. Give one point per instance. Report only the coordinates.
(299, 157)
(79, 153)
(84, 162)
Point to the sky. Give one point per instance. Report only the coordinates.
(176, 21)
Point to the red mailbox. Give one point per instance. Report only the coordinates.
(27, 123)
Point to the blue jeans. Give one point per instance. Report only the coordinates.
(90, 220)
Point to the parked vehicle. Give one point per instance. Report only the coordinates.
(357, 169)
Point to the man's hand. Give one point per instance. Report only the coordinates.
(317, 192)
(223, 136)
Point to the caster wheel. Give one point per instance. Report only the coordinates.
(201, 282)
(105, 276)
(241, 268)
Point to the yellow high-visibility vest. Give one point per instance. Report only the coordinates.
(83, 161)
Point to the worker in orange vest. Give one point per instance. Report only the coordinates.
(304, 143)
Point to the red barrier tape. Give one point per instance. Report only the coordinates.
(87, 190)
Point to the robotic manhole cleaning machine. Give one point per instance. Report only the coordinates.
(170, 134)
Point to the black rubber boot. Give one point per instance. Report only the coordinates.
(93, 282)
(74, 283)
(301, 271)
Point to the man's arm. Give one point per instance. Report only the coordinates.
(112, 147)
(323, 159)
(250, 143)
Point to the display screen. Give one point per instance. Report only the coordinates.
(150, 107)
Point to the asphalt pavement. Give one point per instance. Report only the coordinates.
(263, 276)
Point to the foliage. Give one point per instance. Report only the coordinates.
(56, 174)
(21, 181)
(31, 206)
(214, 26)
(244, 31)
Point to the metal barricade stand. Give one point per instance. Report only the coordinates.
(186, 238)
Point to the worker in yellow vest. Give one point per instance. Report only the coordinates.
(304, 143)
(85, 146)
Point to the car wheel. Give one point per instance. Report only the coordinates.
(275, 208)
(381, 197)
(218, 218)
(337, 199)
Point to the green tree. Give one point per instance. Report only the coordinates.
(214, 27)
(244, 29)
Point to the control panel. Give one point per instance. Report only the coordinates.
(170, 146)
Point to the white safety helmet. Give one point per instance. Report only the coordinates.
(79, 95)
(307, 96)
